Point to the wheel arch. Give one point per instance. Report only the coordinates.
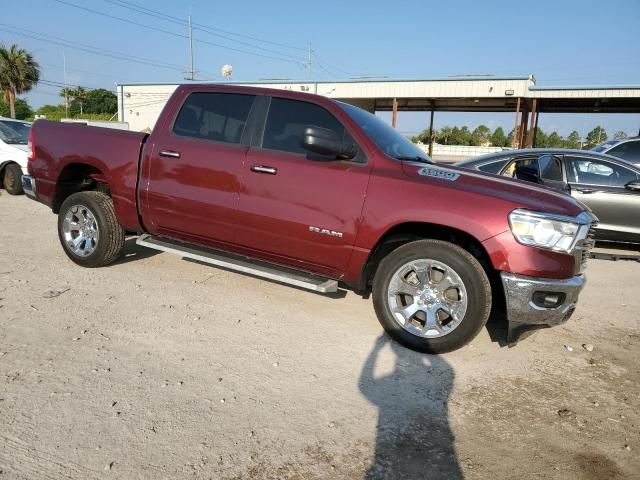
(403, 233)
(78, 177)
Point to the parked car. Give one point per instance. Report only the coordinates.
(609, 186)
(311, 192)
(628, 149)
(14, 136)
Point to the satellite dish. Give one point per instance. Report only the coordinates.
(226, 71)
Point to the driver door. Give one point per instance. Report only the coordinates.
(295, 207)
(601, 185)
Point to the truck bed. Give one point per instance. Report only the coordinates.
(112, 157)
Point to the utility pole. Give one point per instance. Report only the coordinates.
(64, 75)
(190, 74)
(309, 62)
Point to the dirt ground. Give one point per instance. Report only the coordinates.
(157, 367)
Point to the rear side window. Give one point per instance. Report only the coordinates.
(287, 120)
(214, 116)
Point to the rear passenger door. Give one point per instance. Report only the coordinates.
(296, 207)
(192, 176)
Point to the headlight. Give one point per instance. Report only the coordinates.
(554, 232)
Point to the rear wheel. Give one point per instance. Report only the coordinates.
(13, 179)
(88, 229)
(431, 296)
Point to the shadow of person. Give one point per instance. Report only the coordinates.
(413, 438)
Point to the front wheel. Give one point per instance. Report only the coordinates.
(88, 229)
(13, 179)
(431, 296)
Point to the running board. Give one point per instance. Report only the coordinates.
(240, 264)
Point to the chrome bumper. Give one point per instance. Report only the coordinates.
(29, 186)
(526, 298)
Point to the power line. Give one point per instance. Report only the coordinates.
(170, 18)
(179, 35)
(87, 48)
(328, 65)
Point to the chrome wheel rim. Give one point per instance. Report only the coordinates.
(427, 298)
(80, 230)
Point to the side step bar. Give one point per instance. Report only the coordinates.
(240, 264)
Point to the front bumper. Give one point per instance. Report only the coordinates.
(524, 297)
(29, 186)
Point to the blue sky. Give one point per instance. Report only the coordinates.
(560, 42)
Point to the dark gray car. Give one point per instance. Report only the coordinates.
(608, 185)
(627, 148)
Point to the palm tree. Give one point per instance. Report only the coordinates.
(68, 94)
(80, 95)
(19, 73)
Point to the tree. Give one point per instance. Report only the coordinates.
(52, 112)
(555, 140)
(67, 94)
(596, 137)
(23, 110)
(444, 135)
(498, 138)
(480, 135)
(80, 95)
(101, 100)
(19, 73)
(620, 135)
(542, 140)
(573, 140)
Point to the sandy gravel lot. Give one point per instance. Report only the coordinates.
(157, 367)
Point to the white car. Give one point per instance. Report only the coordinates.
(14, 150)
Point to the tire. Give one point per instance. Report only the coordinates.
(431, 296)
(89, 231)
(12, 179)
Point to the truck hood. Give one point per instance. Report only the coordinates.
(517, 192)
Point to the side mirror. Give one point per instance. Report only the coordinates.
(633, 185)
(324, 141)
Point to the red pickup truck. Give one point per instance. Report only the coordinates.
(311, 192)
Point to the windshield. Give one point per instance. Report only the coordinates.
(603, 146)
(14, 133)
(388, 139)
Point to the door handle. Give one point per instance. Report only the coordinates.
(264, 169)
(169, 153)
(585, 190)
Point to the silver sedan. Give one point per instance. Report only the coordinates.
(608, 185)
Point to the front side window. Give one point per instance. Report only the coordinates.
(214, 116)
(590, 171)
(287, 121)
